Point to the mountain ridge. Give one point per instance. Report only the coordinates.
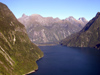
(49, 29)
(89, 36)
(18, 55)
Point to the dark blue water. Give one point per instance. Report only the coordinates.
(61, 60)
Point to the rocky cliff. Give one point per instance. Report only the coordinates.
(89, 36)
(18, 55)
(50, 30)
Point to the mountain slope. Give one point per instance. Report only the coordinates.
(89, 36)
(18, 55)
(50, 30)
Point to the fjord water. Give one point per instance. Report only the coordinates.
(61, 60)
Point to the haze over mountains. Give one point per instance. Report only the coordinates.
(50, 30)
(89, 36)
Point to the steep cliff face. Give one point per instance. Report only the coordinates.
(50, 30)
(18, 55)
(89, 36)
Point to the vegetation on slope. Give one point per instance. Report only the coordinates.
(89, 36)
(18, 55)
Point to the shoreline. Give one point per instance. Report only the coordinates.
(30, 72)
(33, 70)
(46, 44)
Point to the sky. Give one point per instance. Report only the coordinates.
(54, 8)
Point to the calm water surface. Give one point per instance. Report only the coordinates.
(61, 60)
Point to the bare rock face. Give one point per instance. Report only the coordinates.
(49, 30)
(89, 36)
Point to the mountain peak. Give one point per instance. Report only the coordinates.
(98, 14)
(24, 15)
(35, 15)
(82, 19)
(70, 18)
(1, 3)
(88, 37)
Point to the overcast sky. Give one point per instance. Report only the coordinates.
(54, 8)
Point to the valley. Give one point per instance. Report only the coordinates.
(46, 44)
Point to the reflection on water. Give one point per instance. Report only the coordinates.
(61, 60)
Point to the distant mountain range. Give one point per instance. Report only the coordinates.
(50, 30)
(89, 36)
(18, 55)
